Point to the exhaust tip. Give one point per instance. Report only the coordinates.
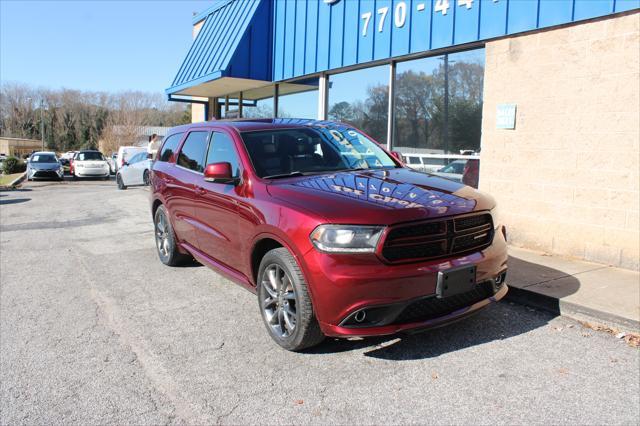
(360, 316)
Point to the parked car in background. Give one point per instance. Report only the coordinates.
(423, 163)
(134, 172)
(471, 173)
(90, 163)
(44, 165)
(335, 235)
(113, 162)
(452, 171)
(125, 153)
(65, 164)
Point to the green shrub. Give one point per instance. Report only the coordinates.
(13, 165)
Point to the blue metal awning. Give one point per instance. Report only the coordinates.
(231, 51)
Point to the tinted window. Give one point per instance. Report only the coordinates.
(169, 147)
(222, 149)
(193, 151)
(89, 156)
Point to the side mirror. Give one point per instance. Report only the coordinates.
(398, 155)
(219, 173)
(149, 156)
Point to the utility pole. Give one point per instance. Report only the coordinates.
(42, 121)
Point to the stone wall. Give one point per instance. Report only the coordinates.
(567, 178)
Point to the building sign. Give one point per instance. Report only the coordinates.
(506, 116)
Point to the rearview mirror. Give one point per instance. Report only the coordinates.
(219, 173)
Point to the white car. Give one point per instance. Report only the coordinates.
(134, 172)
(90, 164)
(125, 153)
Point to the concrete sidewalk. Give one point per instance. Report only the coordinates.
(580, 290)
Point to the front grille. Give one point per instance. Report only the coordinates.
(432, 307)
(436, 239)
(45, 173)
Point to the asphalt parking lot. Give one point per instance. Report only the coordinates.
(94, 329)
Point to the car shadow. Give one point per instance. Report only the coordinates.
(499, 321)
(14, 201)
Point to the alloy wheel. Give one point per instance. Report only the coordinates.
(279, 301)
(162, 235)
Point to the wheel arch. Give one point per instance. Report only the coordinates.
(260, 248)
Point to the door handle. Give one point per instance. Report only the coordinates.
(200, 190)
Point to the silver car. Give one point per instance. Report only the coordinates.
(44, 165)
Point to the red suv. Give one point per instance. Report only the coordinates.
(335, 235)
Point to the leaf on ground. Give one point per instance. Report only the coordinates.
(434, 375)
(299, 401)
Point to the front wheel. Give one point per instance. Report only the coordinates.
(285, 303)
(145, 178)
(120, 182)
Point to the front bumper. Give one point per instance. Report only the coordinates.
(87, 172)
(343, 285)
(45, 174)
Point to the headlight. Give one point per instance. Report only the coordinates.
(346, 238)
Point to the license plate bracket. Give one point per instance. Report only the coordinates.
(455, 281)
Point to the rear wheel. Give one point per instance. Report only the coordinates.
(166, 241)
(285, 303)
(119, 182)
(145, 178)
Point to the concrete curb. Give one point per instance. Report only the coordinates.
(17, 181)
(570, 310)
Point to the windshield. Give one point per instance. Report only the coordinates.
(89, 156)
(43, 158)
(312, 150)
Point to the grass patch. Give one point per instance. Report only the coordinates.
(7, 179)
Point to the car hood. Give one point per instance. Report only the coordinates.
(44, 166)
(379, 196)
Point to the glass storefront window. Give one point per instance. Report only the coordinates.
(438, 113)
(298, 99)
(361, 98)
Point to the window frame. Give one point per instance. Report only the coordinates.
(184, 141)
(235, 147)
(164, 142)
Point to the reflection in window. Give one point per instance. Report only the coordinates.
(298, 99)
(361, 98)
(438, 113)
(425, 118)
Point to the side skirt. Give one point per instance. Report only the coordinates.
(230, 273)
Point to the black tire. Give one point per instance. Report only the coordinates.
(121, 185)
(169, 254)
(306, 332)
(145, 178)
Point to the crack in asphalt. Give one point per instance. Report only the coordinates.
(111, 316)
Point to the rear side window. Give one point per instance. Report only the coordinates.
(169, 147)
(193, 152)
(222, 149)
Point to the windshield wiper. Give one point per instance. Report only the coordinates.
(284, 175)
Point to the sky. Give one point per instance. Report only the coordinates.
(95, 45)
